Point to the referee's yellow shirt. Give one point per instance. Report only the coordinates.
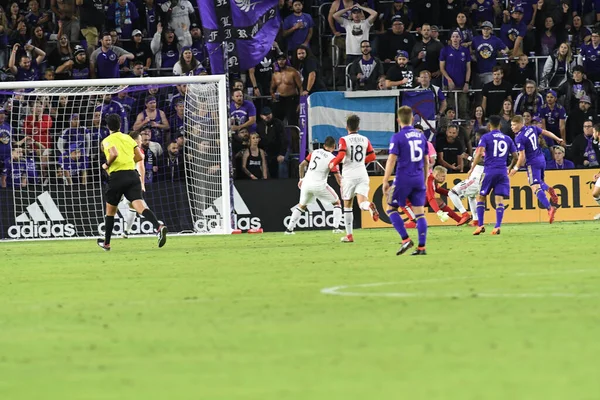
(125, 146)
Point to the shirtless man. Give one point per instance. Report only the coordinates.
(66, 14)
(285, 86)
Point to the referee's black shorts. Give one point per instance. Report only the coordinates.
(123, 183)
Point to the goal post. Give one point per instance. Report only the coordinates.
(51, 181)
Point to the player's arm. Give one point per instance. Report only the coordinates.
(513, 161)
(137, 154)
(476, 159)
(338, 178)
(249, 123)
(264, 163)
(562, 129)
(139, 122)
(389, 169)
(112, 156)
(341, 154)
(552, 135)
(519, 164)
(302, 168)
(371, 156)
(141, 168)
(164, 122)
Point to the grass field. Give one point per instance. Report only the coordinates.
(291, 317)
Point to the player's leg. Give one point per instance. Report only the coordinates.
(456, 194)
(306, 196)
(134, 194)
(480, 207)
(113, 196)
(362, 195)
(473, 207)
(337, 212)
(419, 198)
(129, 217)
(547, 188)
(444, 207)
(501, 190)
(347, 189)
(397, 196)
(596, 195)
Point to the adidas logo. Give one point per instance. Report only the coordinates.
(139, 225)
(318, 215)
(42, 219)
(243, 219)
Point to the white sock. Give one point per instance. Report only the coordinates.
(129, 217)
(456, 201)
(410, 212)
(337, 216)
(597, 199)
(294, 219)
(473, 207)
(348, 220)
(365, 206)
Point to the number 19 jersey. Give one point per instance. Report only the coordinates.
(356, 147)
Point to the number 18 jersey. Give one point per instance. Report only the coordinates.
(357, 147)
(318, 167)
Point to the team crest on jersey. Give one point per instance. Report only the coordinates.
(170, 53)
(485, 50)
(112, 57)
(513, 34)
(462, 56)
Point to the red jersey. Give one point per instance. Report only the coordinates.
(432, 189)
(39, 130)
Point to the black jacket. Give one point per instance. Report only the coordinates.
(272, 137)
(369, 83)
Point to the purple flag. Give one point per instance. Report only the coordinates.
(303, 122)
(245, 28)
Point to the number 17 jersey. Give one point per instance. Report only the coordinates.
(356, 147)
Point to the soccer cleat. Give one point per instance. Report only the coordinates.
(125, 235)
(553, 197)
(347, 239)
(338, 231)
(465, 219)
(551, 214)
(474, 223)
(100, 243)
(410, 225)
(374, 212)
(406, 244)
(479, 230)
(288, 232)
(496, 231)
(597, 217)
(419, 252)
(162, 235)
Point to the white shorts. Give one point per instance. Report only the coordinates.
(468, 187)
(323, 193)
(597, 183)
(353, 186)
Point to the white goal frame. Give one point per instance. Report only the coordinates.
(223, 120)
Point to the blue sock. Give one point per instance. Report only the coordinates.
(499, 214)
(541, 195)
(398, 223)
(480, 212)
(421, 229)
(544, 186)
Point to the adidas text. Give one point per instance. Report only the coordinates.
(139, 226)
(313, 220)
(44, 230)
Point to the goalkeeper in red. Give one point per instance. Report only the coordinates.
(122, 152)
(355, 151)
(443, 211)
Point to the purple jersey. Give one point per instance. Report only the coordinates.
(243, 114)
(456, 63)
(591, 58)
(486, 51)
(527, 140)
(409, 145)
(553, 117)
(498, 147)
(114, 108)
(75, 167)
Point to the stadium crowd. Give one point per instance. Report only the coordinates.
(536, 58)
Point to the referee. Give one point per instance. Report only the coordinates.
(122, 152)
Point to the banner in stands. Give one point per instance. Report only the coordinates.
(257, 204)
(327, 114)
(574, 188)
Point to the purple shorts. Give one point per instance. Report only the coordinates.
(499, 182)
(535, 173)
(411, 191)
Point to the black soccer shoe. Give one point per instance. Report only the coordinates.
(405, 246)
(162, 235)
(418, 252)
(100, 243)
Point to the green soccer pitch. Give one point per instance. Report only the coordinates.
(305, 317)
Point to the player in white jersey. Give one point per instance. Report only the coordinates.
(140, 167)
(314, 184)
(355, 151)
(468, 188)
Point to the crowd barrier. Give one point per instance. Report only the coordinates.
(574, 188)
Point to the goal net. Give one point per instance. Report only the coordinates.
(51, 181)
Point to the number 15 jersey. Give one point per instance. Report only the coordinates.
(356, 147)
(410, 146)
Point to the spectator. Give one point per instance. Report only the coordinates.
(465, 32)
(140, 49)
(179, 15)
(521, 72)
(554, 117)
(506, 115)
(97, 132)
(582, 151)
(298, 27)
(426, 55)
(274, 142)
(65, 12)
(156, 119)
(449, 150)
(574, 89)
(105, 61)
(78, 67)
(137, 70)
(529, 99)
(483, 10)
(75, 166)
(401, 74)
(243, 112)
(171, 165)
(357, 29)
(14, 17)
(578, 116)
(60, 55)
(198, 44)
(6, 138)
(558, 159)
(455, 65)
(122, 16)
(176, 121)
(513, 31)
(305, 62)
(426, 11)
(27, 69)
(486, 48)
(591, 60)
(558, 67)
(451, 9)
(578, 33)
(337, 28)
(286, 84)
(126, 101)
(495, 93)
(365, 72)
(261, 74)
(585, 9)
(149, 17)
(254, 162)
(394, 40)
(398, 12)
(166, 49)
(20, 35)
(478, 121)
(37, 17)
(188, 64)
(74, 135)
(116, 38)
(150, 156)
(91, 19)
(109, 106)
(550, 37)
(37, 126)
(39, 39)
(3, 38)
(19, 170)
(438, 96)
